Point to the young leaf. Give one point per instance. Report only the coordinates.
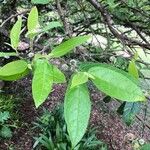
(77, 108)
(130, 111)
(14, 70)
(67, 46)
(15, 33)
(116, 83)
(42, 81)
(40, 1)
(79, 78)
(132, 69)
(32, 23)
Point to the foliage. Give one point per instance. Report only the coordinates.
(53, 133)
(112, 81)
(5, 130)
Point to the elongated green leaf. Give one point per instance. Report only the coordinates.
(67, 46)
(32, 23)
(40, 1)
(2, 54)
(51, 25)
(79, 78)
(14, 70)
(132, 69)
(130, 111)
(116, 83)
(58, 76)
(15, 33)
(42, 81)
(77, 108)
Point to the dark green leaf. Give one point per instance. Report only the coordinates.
(130, 111)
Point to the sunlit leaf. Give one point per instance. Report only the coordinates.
(77, 108)
(14, 70)
(116, 83)
(68, 45)
(42, 81)
(15, 33)
(32, 22)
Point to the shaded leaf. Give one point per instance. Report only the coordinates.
(6, 55)
(40, 1)
(5, 132)
(145, 147)
(130, 111)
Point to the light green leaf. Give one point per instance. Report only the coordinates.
(3, 54)
(77, 108)
(14, 70)
(42, 81)
(67, 46)
(15, 33)
(79, 78)
(40, 1)
(51, 25)
(116, 83)
(32, 23)
(58, 76)
(132, 69)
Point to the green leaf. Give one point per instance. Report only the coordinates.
(3, 54)
(32, 23)
(40, 1)
(5, 132)
(130, 111)
(4, 116)
(132, 69)
(15, 33)
(58, 76)
(51, 25)
(42, 81)
(116, 83)
(14, 70)
(145, 147)
(67, 46)
(79, 78)
(77, 108)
